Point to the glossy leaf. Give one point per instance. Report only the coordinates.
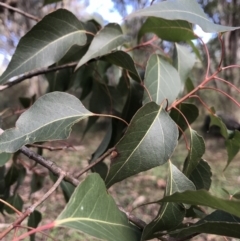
(148, 142)
(49, 118)
(197, 149)
(107, 39)
(187, 10)
(218, 222)
(45, 43)
(189, 111)
(123, 60)
(170, 214)
(161, 80)
(233, 147)
(201, 175)
(33, 221)
(16, 201)
(204, 198)
(169, 30)
(93, 211)
(76, 52)
(184, 61)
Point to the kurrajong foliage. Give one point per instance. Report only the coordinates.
(148, 105)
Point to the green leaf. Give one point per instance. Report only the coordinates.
(93, 211)
(187, 10)
(184, 61)
(190, 111)
(170, 214)
(107, 39)
(101, 168)
(204, 198)
(4, 189)
(83, 78)
(201, 175)
(134, 100)
(148, 142)
(195, 50)
(169, 30)
(74, 54)
(46, 43)
(233, 147)
(161, 80)
(36, 182)
(189, 85)
(217, 121)
(33, 221)
(218, 222)
(12, 175)
(125, 61)
(197, 149)
(67, 189)
(16, 201)
(59, 80)
(49, 118)
(4, 157)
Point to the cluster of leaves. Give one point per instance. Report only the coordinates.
(149, 114)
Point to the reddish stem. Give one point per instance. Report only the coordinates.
(203, 103)
(224, 93)
(208, 58)
(142, 44)
(222, 48)
(231, 66)
(184, 136)
(229, 83)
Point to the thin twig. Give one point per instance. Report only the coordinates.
(51, 166)
(138, 222)
(10, 206)
(20, 12)
(37, 72)
(32, 207)
(49, 192)
(222, 48)
(202, 102)
(224, 93)
(142, 44)
(208, 57)
(101, 158)
(228, 83)
(51, 148)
